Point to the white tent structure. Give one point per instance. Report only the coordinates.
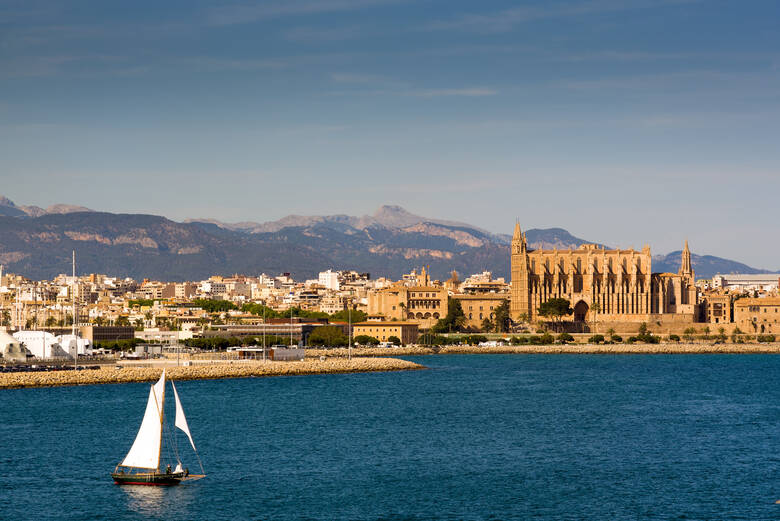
(72, 345)
(11, 349)
(41, 344)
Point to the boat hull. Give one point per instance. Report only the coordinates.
(149, 478)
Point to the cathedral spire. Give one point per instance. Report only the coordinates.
(685, 262)
(519, 244)
(518, 233)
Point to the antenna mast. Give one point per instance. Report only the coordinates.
(73, 295)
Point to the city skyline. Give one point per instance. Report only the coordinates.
(623, 122)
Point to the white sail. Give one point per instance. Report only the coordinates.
(181, 420)
(145, 452)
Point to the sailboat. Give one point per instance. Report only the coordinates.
(141, 466)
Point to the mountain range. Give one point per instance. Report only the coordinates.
(37, 243)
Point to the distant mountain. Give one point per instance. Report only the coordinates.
(705, 266)
(386, 216)
(10, 209)
(388, 243)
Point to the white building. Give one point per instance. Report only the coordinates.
(41, 344)
(330, 280)
(737, 282)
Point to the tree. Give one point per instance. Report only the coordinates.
(122, 321)
(394, 340)
(364, 340)
(487, 325)
(555, 309)
(688, 334)
(139, 324)
(51, 322)
(329, 336)
(344, 316)
(6, 321)
(502, 317)
(455, 320)
(643, 328)
(611, 333)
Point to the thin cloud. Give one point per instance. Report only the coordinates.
(311, 34)
(438, 93)
(505, 20)
(241, 14)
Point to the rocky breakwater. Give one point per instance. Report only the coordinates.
(113, 375)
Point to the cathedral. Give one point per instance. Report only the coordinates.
(601, 285)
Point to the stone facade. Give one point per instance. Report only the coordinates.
(407, 332)
(601, 285)
(479, 307)
(418, 302)
(758, 315)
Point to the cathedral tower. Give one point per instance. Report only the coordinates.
(686, 271)
(519, 296)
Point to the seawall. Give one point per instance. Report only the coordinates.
(113, 375)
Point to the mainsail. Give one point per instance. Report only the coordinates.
(181, 420)
(145, 452)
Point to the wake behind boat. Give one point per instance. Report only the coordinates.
(141, 466)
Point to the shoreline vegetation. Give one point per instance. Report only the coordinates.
(637, 348)
(202, 371)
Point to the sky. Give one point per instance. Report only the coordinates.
(627, 122)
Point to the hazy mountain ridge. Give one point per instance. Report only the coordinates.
(10, 209)
(390, 242)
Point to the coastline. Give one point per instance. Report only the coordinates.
(662, 348)
(243, 369)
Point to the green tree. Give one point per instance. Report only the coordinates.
(555, 309)
(122, 321)
(366, 340)
(454, 321)
(51, 322)
(502, 321)
(329, 336)
(214, 306)
(394, 340)
(688, 334)
(344, 316)
(487, 325)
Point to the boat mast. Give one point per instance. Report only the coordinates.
(162, 417)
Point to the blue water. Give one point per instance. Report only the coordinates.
(475, 437)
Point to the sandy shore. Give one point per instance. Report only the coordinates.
(112, 375)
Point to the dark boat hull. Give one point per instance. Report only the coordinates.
(148, 478)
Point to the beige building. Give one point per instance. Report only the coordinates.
(758, 315)
(406, 331)
(421, 303)
(717, 308)
(601, 285)
(479, 307)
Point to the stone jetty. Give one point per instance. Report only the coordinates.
(116, 375)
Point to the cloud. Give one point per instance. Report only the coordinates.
(240, 14)
(505, 20)
(311, 34)
(438, 93)
(229, 64)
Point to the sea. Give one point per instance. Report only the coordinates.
(474, 437)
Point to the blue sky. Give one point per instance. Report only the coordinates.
(624, 121)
